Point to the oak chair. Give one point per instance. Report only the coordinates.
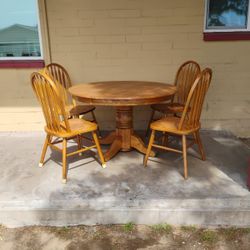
(187, 124)
(60, 74)
(58, 124)
(184, 79)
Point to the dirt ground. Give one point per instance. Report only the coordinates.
(128, 236)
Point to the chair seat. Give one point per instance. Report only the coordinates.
(81, 109)
(168, 107)
(170, 124)
(77, 126)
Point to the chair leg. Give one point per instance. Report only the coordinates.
(150, 120)
(64, 161)
(164, 139)
(200, 146)
(45, 147)
(151, 141)
(79, 143)
(184, 151)
(93, 116)
(99, 149)
(94, 119)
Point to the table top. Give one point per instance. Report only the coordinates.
(122, 93)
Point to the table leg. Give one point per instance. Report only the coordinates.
(108, 139)
(124, 138)
(115, 147)
(138, 144)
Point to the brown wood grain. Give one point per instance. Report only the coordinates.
(184, 79)
(122, 93)
(187, 124)
(60, 75)
(58, 123)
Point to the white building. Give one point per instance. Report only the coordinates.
(19, 40)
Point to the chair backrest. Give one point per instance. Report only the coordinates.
(60, 76)
(59, 73)
(52, 104)
(184, 80)
(193, 107)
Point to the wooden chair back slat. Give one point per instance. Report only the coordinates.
(60, 75)
(193, 107)
(184, 80)
(53, 106)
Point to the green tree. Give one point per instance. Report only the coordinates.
(217, 7)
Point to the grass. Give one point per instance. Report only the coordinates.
(131, 236)
(128, 227)
(188, 228)
(162, 228)
(209, 236)
(234, 233)
(246, 230)
(63, 232)
(60, 229)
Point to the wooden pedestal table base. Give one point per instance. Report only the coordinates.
(124, 138)
(123, 95)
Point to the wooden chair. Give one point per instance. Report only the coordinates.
(59, 74)
(58, 123)
(184, 79)
(187, 124)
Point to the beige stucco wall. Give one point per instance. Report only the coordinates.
(134, 40)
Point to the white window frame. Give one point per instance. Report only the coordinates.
(226, 29)
(30, 58)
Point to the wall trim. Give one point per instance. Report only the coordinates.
(226, 36)
(22, 64)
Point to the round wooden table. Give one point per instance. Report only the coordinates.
(123, 95)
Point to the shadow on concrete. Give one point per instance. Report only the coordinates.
(215, 192)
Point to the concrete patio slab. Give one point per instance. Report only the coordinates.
(214, 194)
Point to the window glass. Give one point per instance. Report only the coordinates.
(19, 29)
(227, 14)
